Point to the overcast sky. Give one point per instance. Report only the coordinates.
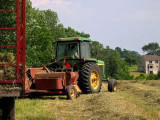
(129, 24)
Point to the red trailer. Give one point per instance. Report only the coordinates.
(8, 96)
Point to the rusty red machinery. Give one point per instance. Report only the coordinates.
(43, 82)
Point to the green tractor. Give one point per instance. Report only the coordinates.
(74, 54)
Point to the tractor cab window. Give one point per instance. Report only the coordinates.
(73, 51)
(67, 49)
(61, 48)
(85, 50)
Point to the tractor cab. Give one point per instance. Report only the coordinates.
(73, 48)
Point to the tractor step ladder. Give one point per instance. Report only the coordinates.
(19, 45)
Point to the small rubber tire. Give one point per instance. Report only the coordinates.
(112, 85)
(71, 92)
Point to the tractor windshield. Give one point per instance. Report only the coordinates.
(67, 49)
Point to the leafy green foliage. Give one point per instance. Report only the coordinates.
(152, 49)
(158, 76)
(151, 77)
(130, 60)
(42, 29)
(131, 57)
(141, 77)
(116, 67)
(7, 37)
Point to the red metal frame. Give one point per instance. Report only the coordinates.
(20, 42)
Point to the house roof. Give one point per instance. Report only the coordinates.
(151, 57)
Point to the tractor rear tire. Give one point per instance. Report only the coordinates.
(71, 92)
(90, 80)
(112, 85)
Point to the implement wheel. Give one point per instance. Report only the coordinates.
(90, 80)
(112, 85)
(71, 92)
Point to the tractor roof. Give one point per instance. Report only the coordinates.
(75, 38)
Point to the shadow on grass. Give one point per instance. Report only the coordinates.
(47, 97)
(43, 97)
(51, 97)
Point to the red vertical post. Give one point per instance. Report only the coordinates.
(17, 29)
(23, 43)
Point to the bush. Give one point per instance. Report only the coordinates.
(151, 77)
(158, 76)
(141, 77)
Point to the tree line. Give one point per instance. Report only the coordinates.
(131, 57)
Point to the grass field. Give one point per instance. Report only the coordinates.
(138, 100)
(134, 100)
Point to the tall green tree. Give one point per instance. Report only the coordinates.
(117, 67)
(96, 50)
(120, 51)
(131, 57)
(152, 49)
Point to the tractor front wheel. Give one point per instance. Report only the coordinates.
(90, 80)
(71, 92)
(112, 85)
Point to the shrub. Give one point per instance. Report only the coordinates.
(141, 77)
(158, 76)
(151, 77)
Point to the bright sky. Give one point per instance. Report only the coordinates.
(129, 24)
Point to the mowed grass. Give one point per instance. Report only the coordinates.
(134, 100)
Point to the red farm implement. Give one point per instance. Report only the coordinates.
(8, 95)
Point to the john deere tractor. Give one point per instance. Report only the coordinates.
(74, 54)
(72, 71)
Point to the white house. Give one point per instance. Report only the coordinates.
(149, 64)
